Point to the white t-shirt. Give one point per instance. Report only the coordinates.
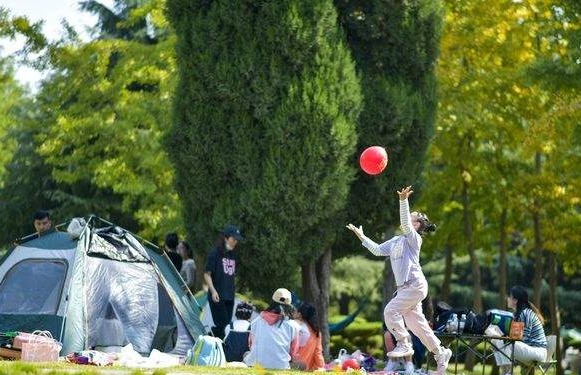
(304, 333)
(271, 344)
(240, 325)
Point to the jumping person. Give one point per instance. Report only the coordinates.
(412, 287)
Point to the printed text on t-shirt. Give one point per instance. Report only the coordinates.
(229, 266)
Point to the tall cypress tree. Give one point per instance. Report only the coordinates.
(264, 129)
(395, 46)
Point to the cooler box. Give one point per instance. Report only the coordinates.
(500, 318)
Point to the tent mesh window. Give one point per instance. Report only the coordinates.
(33, 286)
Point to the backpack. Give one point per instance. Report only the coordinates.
(207, 351)
(474, 324)
(236, 344)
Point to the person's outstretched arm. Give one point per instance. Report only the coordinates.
(375, 248)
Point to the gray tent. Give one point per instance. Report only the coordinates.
(103, 289)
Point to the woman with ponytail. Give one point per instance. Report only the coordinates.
(310, 355)
(533, 345)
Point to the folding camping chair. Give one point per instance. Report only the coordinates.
(547, 364)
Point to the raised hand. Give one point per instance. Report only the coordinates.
(357, 230)
(405, 193)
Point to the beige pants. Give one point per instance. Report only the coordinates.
(405, 309)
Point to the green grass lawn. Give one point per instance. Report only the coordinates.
(21, 368)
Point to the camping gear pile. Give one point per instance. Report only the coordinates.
(356, 361)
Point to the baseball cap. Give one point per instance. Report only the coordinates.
(282, 295)
(232, 231)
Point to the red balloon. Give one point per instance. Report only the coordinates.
(373, 160)
(350, 363)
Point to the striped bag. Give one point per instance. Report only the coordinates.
(207, 351)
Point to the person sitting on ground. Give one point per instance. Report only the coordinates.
(42, 222)
(310, 355)
(236, 333)
(188, 271)
(274, 339)
(533, 346)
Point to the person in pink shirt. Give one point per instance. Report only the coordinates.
(405, 308)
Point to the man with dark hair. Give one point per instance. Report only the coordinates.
(42, 221)
(171, 243)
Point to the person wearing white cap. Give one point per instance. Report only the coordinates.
(274, 339)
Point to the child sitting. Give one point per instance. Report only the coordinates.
(310, 355)
(237, 332)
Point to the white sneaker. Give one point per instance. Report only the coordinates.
(401, 350)
(409, 368)
(442, 360)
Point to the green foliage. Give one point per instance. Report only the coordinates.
(26, 183)
(264, 128)
(22, 172)
(395, 45)
(19, 194)
(12, 26)
(356, 279)
(498, 135)
(128, 20)
(362, 335)
(356, 276)
(105, 108)
(11, 110)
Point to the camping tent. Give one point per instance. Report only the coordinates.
(102, 287)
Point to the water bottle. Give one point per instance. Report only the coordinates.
(452, 326)
(462, 323)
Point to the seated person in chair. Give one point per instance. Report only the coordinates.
(533, 346)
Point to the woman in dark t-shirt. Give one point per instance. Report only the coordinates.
(219, 275)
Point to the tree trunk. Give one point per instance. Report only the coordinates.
(538, 250)
(447, 284)
(502, 287)
(554, 308)
(200, 267)
(469, 236)
(309, 281)
(316, 279)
